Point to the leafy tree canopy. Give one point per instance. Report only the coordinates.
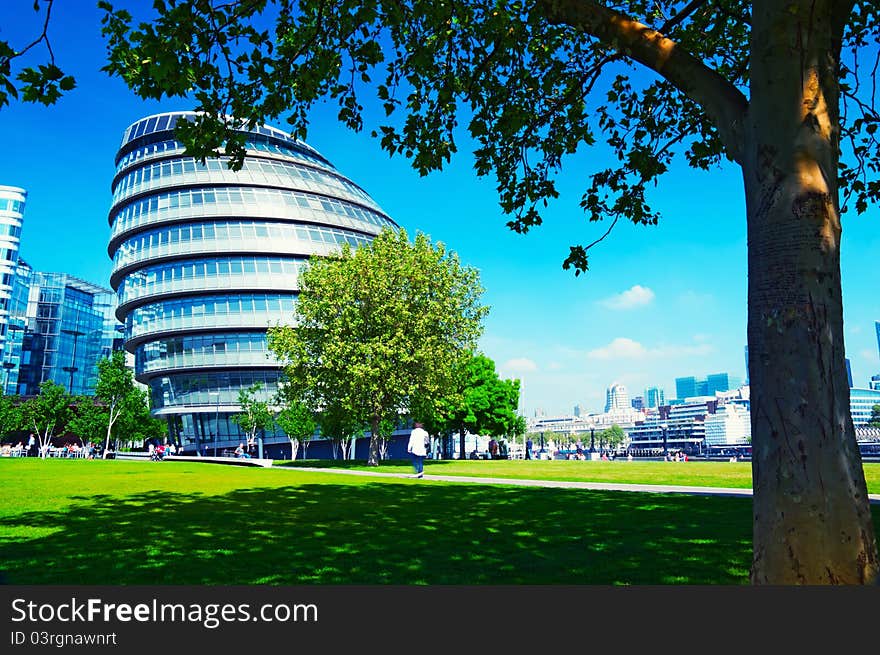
(379, 327)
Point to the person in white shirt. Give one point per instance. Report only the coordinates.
(417, 448)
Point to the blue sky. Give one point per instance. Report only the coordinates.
(658, 302)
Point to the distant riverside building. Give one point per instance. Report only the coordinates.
(693, 387)
(849, 373)
(12, 204)
(875, 382)
(861, 404)
(616, 398)
(577, 410)
(654, 397)
(206, 259)
(638, 402)
(730, 425)
(877, 328)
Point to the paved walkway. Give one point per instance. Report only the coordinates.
(605, 486)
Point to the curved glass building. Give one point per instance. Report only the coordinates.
(205, 259)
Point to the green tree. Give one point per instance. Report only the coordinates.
(613, 437)
(342, 427)
(255, 415)
(11, 416)
(296, 419)
(89, 420)
(136, 421)
(379, 327)
(47, 413)
(774, 86)
(477, 401)
(875, 417)
(115, 388)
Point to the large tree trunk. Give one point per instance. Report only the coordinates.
(812, 518)
(373, 457)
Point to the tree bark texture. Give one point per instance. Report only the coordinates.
(812, 518)
(373, 457)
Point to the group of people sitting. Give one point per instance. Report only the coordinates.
(160, 452)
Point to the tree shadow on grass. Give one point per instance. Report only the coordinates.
(389, 533)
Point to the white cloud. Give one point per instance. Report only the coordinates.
(520, 365)
(620, 348)
(869, 355)
(637, 296)
(623, 348)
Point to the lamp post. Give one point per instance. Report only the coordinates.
(72, 368)
(592, 439)
(215, 432)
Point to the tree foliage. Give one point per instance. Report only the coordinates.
(875, 417)
(11, 415)
(115, 388)
(294, 417)
(611, 437)
(256, 415)
(478, 401)
(378, 328)
(47, 413)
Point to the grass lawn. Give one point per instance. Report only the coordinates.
(696, 473)
(117, 522)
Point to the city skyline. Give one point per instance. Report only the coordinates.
(658, 302)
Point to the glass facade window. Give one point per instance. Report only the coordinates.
(275, 204)
(206, 259)
(229, 235)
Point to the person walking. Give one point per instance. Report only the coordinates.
(529, 448)
(417, 448)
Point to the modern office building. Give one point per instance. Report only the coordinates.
(638, 402)
(849, 373)
(730, 425)
(654, 397)
(205, 259)
(616, 398)
(693, 387)
(861, 404)
(59, 327)
(12, 203)
(685, 387)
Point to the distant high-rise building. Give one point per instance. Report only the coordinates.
(849, 373)
(638, 402)
(875, 382)
(685, 387)
(721, 382)
(654, 397)
(616, 398)
(577, 410)
(877, 327)
(747, 364)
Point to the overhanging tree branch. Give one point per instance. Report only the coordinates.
(725, 105)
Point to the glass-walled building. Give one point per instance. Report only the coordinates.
(205, 259)
(12, 203)
(62, 326)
